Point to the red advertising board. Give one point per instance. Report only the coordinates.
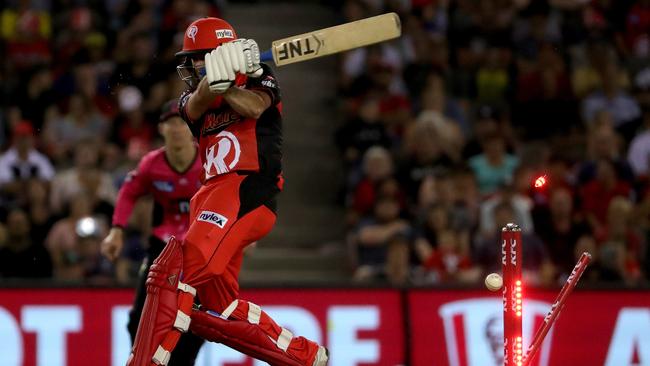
(464, 328)
(360, 327)
(87, 327)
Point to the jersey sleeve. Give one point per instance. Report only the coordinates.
(266, 83)
(135, 186)
(182, 106)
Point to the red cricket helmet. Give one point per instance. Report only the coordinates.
(206, 34)
(201, 37)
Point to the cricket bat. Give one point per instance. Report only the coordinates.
(333, 40)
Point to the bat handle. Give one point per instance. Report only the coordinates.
(266, 56)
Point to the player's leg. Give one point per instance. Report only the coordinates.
(153, 251)
(189, 344)
(168, 304)
(186, 350)
(213, 271)
(166, 311)
(140, 295)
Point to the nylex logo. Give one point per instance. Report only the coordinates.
(213, 218)
(224, 33)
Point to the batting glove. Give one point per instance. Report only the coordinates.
(251, 56)
(221, 66)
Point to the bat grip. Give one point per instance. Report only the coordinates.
(266, 56)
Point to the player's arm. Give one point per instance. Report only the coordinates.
(261, 92)
(135, 186)
(199, 101)
(248, 103)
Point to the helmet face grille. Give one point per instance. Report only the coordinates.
(189, 73)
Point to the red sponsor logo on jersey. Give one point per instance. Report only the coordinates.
(215, 121)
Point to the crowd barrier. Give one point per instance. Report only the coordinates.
(418, 327)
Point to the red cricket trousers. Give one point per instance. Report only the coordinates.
(227, 214)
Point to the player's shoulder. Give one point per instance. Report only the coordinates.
(153, 157)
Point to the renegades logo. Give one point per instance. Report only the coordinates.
(191, 33)
(223, 160)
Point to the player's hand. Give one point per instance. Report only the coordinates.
(220, 68)
(112, 245)
(252, 57)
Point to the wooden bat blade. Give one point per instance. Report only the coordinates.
(336, 39)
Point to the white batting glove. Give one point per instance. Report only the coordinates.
(251, 56)
(219, 69)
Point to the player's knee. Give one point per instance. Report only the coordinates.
(198, 266)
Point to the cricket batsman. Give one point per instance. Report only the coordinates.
(171, 175)
(234, 109)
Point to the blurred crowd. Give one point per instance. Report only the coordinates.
(447, 129)
(81, 85)
(445, 132)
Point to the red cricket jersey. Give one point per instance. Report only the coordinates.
(230, 142)
(171, 191)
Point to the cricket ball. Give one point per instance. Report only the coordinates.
(493, 282)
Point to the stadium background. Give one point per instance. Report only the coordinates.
(434, 140)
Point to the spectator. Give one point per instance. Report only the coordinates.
(91, 81)
(382, 241)
(487, 122)
(132, 126)
(20, 255)
(455, 192)
(25, 31)
(516, 195)
(536, 265)
(22, 162)
(545, 100)
(429, 150)
(492, 77)
(362, 132)
(377, 168)
(613, 98)
(619, 244)
(436, 220)
(561, 228)
(597, 194)
(36, 96)
(82, 122)
(449, 262)
(138, 69)
(604, 144)
(493, 167)
(84, 177)
(639, 153)
(637, 28)
(435, 103)
(75, 254)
